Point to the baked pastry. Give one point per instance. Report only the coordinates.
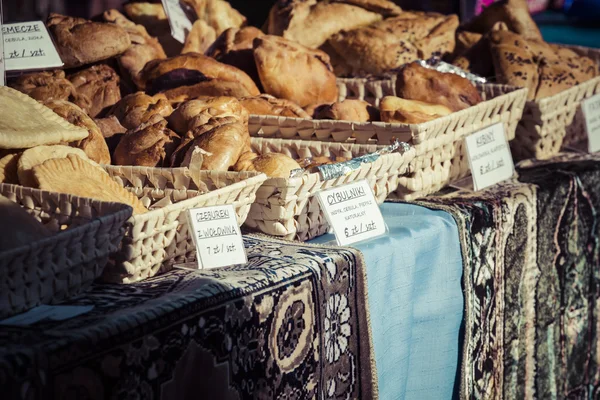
(395, 109)
(514, 13)
(199, 38)
(290, 71)
(8, 168)
(26, 123)
(189, 69)
(476, 57)
(223, 144)
(415, 82)
(152, 16)
(37, 155)
(235, 47)
(198, 112)
(148, 145)
(265, 104)
(388, 44)
(112, 130)
(218, 14)
(25, 229)
(537, 66)
(100, 84)
(93, 145)
(274, 165)
(80, 42)
(312, 22)
(50, 85)
(75, 176)
(348, 110)
(144, 48)
(312, 165)
(181, 93)
(137, 108)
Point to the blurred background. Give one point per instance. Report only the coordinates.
(561, 21)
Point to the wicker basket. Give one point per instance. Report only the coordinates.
(154, 241)
(287, 208)
(550, 123)
(440, 154)
(65, 264)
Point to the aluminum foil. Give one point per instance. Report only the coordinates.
(332, 171)
(442, 66)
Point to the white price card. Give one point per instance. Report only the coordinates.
(489, 157)
(352, 212)
(27, 45)
(2, 66)
(591, 112)
(217, 236)
(178, 20)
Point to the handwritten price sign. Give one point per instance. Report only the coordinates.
(352, 212)
(489, 157)
(28, 46)
(217, 236)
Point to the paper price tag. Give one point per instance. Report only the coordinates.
(179, 22)
(352, 212)
(591, 113)
(217, 236)
(28, 45)
(2, 66)
(489, 157)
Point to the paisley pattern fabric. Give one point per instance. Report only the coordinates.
(291, 324)
(532, 282)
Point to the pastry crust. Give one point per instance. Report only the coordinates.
(81, 42)
(348, 110)
(274, 165)
(200, 38)
(94, 145)
(100, 84)
(415, 82)
(290, 71)
(395, 109)
(59, 175)
(137, 108)
(195, 113)
(26, 123)
(8, 168)
(514, 13)
(218, 14)
(266, 104)
(38, 155)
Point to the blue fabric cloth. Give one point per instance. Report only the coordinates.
(416, 304)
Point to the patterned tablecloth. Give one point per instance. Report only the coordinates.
(532, 282)
(291, 324)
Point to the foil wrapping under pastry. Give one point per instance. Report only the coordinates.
(336, 170)
(442, 66)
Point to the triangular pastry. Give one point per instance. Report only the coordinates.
(74, 175)
(26, 123)
(38, 155)
(8, 168)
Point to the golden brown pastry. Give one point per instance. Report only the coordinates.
(198, 112)
(25, 229)
(266, 104)
(137, 108)
(100, 84)
(235, 47)
(224, 145)
(312, 22)
(38, 155)
(395, 109)
(144, 48)
(94, 145)
(81, 42)
(59, 174)
(293, 72)
(535, 65)
(26, 123)
(8, 168)
(200, 38)
(189, 69)
(415, 82)
(209, 88)
(348, 110)
(50, 85)
(514, 13)
(148, 145)
(476, 57)
(312, 164)
(218, 14)
(274, 165)
(388, 44)
(152, 16)
(112, 130)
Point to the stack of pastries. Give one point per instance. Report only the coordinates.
(505, 44)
